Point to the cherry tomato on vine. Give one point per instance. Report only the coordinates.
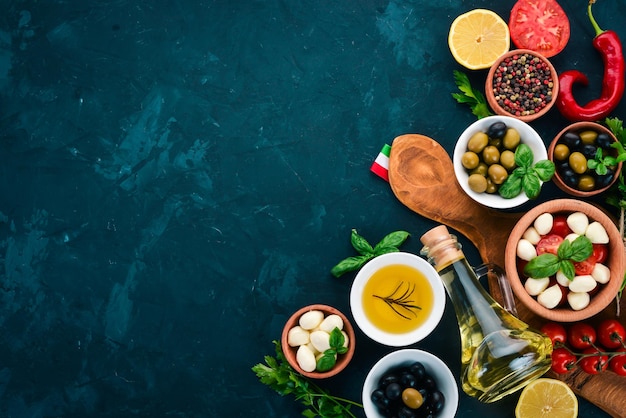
(600, 252)
(581, 335)
(556, 332)
(563, 360)
(618, 363)
(560, 227)
(594, 362)
(549, 244)
(611, 333)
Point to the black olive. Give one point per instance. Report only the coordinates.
(603, 180)
(417, 369)
(429, 383)
(379, 399)
(393, 391)
(589, 151)
(569, 177)
(436, 401)
(496, 130)
(387, 379)
(572, 140)
(406, 412)
(604, 141)
(407, 380)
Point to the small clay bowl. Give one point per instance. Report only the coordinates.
(491, 79)
(615, 261)
(558, 178)
(290, 352)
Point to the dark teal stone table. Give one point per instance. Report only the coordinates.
(178, 177)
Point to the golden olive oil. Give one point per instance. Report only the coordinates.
(398, 299)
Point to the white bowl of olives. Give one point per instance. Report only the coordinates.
(492, 156)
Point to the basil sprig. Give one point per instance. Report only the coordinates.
(527, 176)
(389, 244)
(547, 264)
(329, 358)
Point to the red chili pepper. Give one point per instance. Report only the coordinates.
(608, 44)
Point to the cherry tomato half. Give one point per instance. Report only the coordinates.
(556, 332)
(593, 362)
(600, 252)
(549, 244)
(563, 360)
(583, 268)
(560, 226)
(581, 335)
(618, 363)
(541, 26)
(611, 334)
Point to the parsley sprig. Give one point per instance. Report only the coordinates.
(281, 377)
(547, 264)
(470, 96)
(527, 176)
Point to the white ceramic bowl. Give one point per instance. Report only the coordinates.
(528, 136)
(446, 382)
(397, 339)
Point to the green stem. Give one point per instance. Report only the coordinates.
(595, 25)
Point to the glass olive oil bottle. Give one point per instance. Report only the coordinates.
(500, 353)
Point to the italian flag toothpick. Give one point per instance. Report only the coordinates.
(380, 166)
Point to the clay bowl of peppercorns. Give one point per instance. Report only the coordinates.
(584, 159)
(522, 84)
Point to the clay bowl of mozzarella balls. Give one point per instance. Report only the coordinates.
(318, 341)
(565, 260)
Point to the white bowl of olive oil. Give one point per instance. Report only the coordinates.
(397, 299)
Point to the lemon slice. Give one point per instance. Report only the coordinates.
(547, 398)
(478, 38)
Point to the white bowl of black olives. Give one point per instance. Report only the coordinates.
(487, 156)
(410, 383)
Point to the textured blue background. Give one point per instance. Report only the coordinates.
(178, 177)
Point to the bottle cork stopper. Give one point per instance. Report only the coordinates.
(441, 247)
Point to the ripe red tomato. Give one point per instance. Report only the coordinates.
(541, 26)
(560, 226)
(611, 334)
(556, 332)
(600, 252)
(549, 244)
(618, 363)
(593, 362)
(581, 335)
(585, 267)
(563, 360)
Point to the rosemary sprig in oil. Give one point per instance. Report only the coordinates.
(401, 302)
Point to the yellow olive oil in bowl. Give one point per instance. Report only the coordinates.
(397, 299)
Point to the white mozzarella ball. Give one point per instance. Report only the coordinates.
(305, 358)
(551, 297)
(577, 300)
(578, 222)
(320, 340)
(532, 235)
(583, 284)
(543, 223)
(571, 237)
(601, 273)
(596, 233)
(536, 286)
(312, 348)
(311, 320)
(526, 250)
(562, 279)
(297, 336)
(331, 322)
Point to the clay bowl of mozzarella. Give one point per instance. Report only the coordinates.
(306, 336)
(592, 282)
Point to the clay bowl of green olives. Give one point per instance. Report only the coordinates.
(582, 153)
(484, 157)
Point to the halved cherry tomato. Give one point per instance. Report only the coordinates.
(583, 268)
(600, 252)
(611, 334)
(560, 226)
(581, 335)
(594, 362)
(549, 244)
(563, 360)
(541, 26)
(556, 332)
(618, 363)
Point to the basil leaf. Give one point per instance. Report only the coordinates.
(393, 239)
(523, 156)
(531, 185)
(544, 265)
(350, 264)
(544, 169)
(336, 339)
(327, 361)
(567, 268)
(565, 250)
(512, 186)
(385, 250)
(360, 244)
(582, 248)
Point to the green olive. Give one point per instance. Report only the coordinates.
(470, 160)
(497, 173)
(477, 142)
(491, 155)
(511, 139)
(586, 183)
(577, 162)
(412, 398)
(480, 169)
(507, 159)
(477, 183)
(491, 187)
(496, 142)
(561, 152)
(588, 137)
